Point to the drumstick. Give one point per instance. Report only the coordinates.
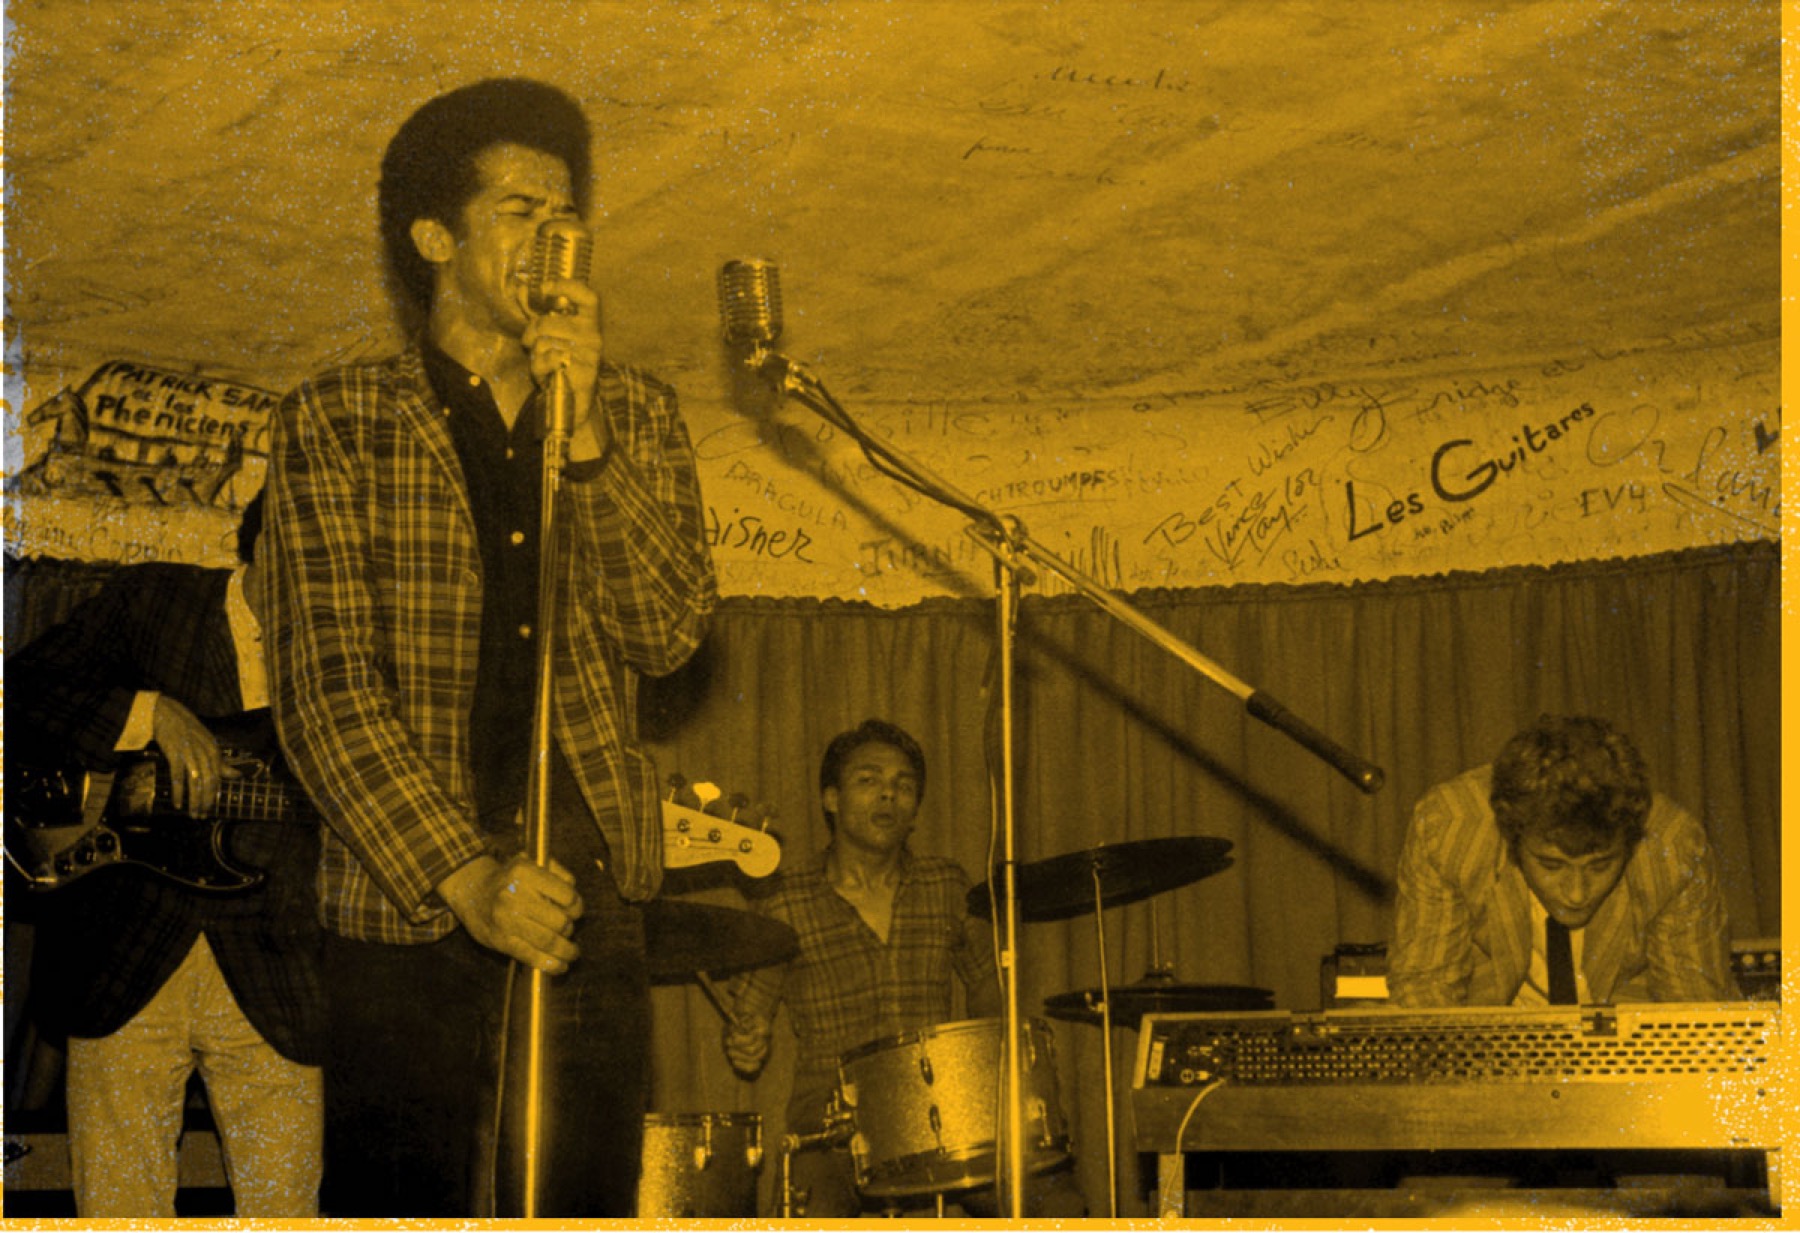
(716, 998)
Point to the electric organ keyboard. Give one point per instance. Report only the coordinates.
(1667, 1076)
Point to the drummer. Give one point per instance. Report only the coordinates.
(881, 931)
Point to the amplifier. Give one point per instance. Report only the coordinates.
(1670, 1075)
(1756, 962)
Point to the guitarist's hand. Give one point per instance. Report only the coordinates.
(192, 753)
(520, 909)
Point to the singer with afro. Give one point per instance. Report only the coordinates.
(404, 544)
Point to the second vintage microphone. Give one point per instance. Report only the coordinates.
(750, 306)
(563, 249)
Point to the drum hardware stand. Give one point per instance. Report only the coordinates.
(838, 1129)
(793, 1204)
(1158, 972)
(1005, 539)
(1106, 1054)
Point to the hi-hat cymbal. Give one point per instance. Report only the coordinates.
(1130, 1003)
(683, 938)
(1063, 886)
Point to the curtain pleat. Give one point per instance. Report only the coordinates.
(1118, 741)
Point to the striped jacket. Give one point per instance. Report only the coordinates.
(376, 620)
(1463, 933)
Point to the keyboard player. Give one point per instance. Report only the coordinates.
(1555, 875)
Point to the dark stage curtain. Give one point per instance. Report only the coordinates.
(1117, 741)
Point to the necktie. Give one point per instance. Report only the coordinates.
(1559, 957)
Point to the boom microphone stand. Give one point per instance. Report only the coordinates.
(1006, 540)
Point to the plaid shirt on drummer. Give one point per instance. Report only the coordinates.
(847, 987)
(376, 593)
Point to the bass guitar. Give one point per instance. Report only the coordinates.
(698, 833)
(64, 823)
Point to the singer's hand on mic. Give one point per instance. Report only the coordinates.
(570, 342)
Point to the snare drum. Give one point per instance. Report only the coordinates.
(700, 1164)
(922, 1106)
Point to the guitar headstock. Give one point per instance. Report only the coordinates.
(701, 824)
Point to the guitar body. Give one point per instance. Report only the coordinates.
(64, 823)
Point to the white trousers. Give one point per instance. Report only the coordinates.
(127, 1090)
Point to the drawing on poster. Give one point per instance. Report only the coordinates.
(138, 462)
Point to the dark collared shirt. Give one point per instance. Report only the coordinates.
(503, 473)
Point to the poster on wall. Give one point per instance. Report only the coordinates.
(138, 463)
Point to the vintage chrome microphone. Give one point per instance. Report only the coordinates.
(562, 250)
(750, 302)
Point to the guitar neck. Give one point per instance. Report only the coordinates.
(257, 794)
(261, 800)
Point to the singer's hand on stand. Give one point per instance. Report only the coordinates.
(571, 341)
(523, 910)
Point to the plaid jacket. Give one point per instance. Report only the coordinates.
(377, 588)
(109, 941)
(1463, 933)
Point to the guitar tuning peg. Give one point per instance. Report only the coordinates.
(738, 803)
(707, 792)
(677, 781)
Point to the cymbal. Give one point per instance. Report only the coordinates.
(1063, 886)
(682, 938)
(1130, 1003)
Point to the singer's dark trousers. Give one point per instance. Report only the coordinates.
(413, 1066)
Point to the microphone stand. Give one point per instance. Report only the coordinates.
(559, 416)
(1004, 538)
